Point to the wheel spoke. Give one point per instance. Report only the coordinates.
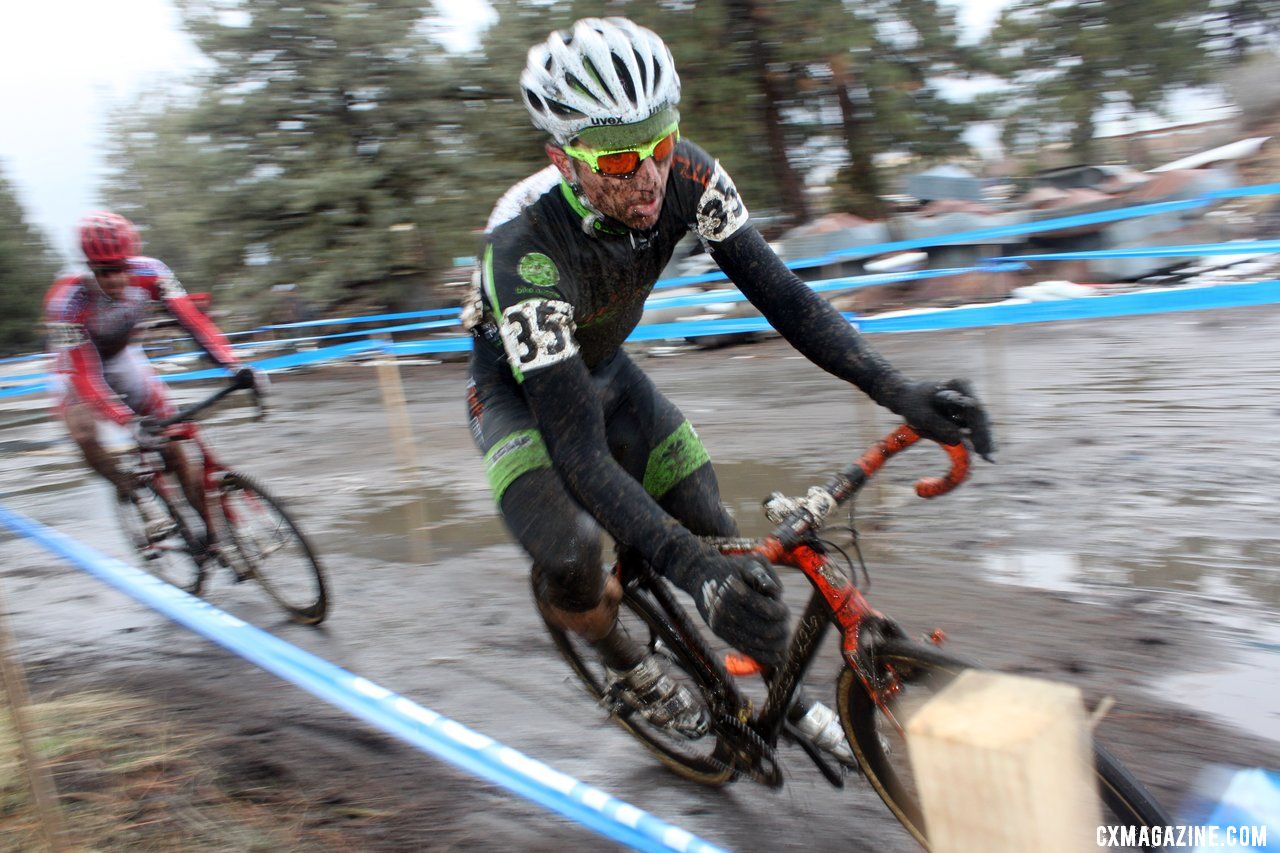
(272, 550)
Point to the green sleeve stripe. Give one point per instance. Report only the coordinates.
(491, 290)
(676, 457)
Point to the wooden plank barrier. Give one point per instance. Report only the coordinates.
(1003, 763)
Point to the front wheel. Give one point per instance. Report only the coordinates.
(882, 752)
(703, 760)
(266, 545)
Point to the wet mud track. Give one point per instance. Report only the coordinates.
(1124, 542)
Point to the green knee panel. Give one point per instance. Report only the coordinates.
(676, 457)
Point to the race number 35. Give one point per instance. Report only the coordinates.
(538, 333)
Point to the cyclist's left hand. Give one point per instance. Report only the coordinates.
(948, 412)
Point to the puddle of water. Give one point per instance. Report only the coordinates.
(1053, 570)
(1242, 689)
(416, 527)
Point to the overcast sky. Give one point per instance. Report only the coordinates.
(65, 63)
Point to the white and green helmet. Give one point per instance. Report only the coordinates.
(603, 73)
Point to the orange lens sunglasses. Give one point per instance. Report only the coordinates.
(624, 163)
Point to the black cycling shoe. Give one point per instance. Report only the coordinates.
(647, 688)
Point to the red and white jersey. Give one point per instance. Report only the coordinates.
(87, 328)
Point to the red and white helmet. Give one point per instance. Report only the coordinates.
(107, 238)
(603, 72)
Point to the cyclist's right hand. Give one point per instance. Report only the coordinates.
(741, 600)
(147, 433)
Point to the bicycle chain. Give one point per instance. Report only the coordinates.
(763, 767)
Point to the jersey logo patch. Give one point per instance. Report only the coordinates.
(720, 210)
(538, 333)
(539, 270)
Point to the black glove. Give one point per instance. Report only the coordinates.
(252, 377)
(738, 595)
(741, 600)
(949, 412)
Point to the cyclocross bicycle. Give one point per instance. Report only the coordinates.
(255, 538)
(885, 674)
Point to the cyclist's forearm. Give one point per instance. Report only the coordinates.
(202, 330)
(805, 319)
(562, 400)
(85, 374)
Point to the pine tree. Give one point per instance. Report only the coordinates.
(27, 268)
(317, 152)
(1069, 62)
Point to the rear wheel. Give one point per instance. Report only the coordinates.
(882, 752)
(703, 760)
(266, 545)
(162, 530)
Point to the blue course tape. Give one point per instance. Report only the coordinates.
(1021, 229)
(408, 327)
(425, 729)
(1244, 247)
(1089, 307)
(1007, 313)
(852, 282)
(371, 318)
(26, 377)
(23, 390)
(30, 357)
(998, 314)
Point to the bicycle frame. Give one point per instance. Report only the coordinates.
(179, 427)
(835, 598)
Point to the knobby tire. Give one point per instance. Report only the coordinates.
(307, 607)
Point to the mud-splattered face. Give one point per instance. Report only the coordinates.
(635, 201)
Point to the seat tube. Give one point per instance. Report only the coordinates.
(806, 640)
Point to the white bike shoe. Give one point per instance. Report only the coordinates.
(661, 700)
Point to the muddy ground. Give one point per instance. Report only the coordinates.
(1124, 542)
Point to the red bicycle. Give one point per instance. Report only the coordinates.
(254, 537)
(884, 673)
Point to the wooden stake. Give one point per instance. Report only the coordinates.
(1003, 763)
(393, 400)
(397, 413)
(43, 794)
